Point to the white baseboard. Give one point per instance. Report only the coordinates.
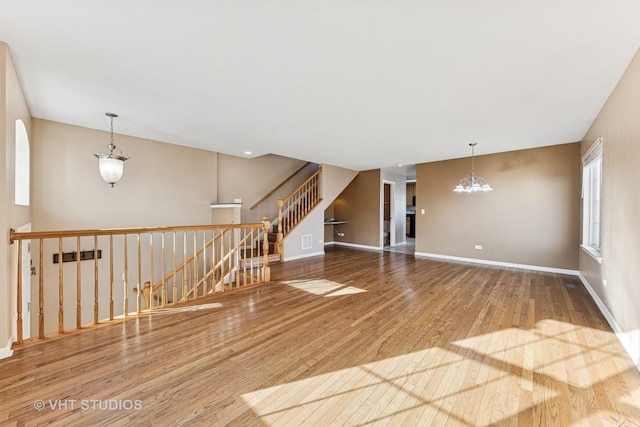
(499, 264)
(626, 338)
(295, 257)
(353, 245)
(6, 352)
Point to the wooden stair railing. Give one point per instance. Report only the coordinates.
(293, 208)
(99, 266)
(187, 266)
(238, 272)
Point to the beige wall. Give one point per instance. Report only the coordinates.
(329, 230)
(619, 125)
(162, 185)
(5, 249)
(359, 204)
(12, 107)
(531, 217)
(252, 179)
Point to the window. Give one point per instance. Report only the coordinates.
(591, 198)
(22, 165)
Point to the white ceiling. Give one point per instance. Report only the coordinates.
(356, 84)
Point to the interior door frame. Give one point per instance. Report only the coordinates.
(392, 207)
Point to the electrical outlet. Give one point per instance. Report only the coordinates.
(479, 247)
(340, 234)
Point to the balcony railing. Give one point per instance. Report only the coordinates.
(87, 277)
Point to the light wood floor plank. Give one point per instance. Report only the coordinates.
(352, 338)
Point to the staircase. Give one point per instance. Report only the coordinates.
(292, 210)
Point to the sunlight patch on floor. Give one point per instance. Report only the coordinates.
(505, 377)
(323, 287)
(530, 349)
(417, 388)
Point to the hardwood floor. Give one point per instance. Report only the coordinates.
(352, 338)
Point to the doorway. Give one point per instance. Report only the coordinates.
(388, 226)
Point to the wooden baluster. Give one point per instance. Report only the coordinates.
(222, 260)
(195, 264)
(236, 256)
(311, 195)
(41, 291)
(111, 281)
(301, 204)
(266, 270)
(294, 210)
(146, 292)
(214, 261)
(175, 273)
(230, 259)
(205, 273)
(244, 255)
(138, 295)
(60, 289)
(251, 233)
(280, 238)
(151, 281)
(163, 285)
(126, 277)
(78, 286)
(286, 218)
(19, 326)
(95, 279)
(185, 289)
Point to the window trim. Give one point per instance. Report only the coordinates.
(22, 165)
(591, 159)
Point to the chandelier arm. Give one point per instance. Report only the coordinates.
(473, 183)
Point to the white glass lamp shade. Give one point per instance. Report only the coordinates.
(111, 169)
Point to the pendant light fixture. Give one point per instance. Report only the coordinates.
(111, 163)
(473, 183)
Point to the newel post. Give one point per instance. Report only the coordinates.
(146, 293)
(265, 275)
(280, 238)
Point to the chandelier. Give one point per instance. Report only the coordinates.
(473, 183)
(111, 163)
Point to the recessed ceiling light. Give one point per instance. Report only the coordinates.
(248, 153)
